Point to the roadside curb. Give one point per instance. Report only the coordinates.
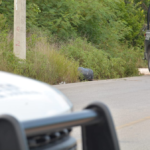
(144, 71)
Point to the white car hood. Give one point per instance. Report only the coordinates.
(28, 99)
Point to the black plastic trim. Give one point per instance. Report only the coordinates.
(67, 143)
(98, 129)
(12, 136)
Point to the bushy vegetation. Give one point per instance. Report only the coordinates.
(102, 22)
(43, 62)
(103, 35)
(124, 62)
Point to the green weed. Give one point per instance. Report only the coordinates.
(44, 62)
(120, 63)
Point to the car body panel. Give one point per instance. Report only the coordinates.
(28, 99)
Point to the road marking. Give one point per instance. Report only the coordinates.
(132, 123)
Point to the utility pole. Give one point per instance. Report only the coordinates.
(20, 28)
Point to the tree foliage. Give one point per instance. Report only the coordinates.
(133, 16)
(103, 22)
(95, 34)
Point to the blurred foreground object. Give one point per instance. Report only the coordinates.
(98, 131)
(27, 100)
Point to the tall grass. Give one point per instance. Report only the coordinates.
(44, 62)
(53, 62)
(117, 63)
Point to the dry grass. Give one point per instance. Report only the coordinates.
(54, 62)
(44, 62)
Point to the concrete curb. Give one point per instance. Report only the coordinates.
(144, 71)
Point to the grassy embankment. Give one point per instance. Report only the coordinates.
(104, 36)
(53, 62)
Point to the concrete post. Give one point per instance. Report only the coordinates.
(20, 28)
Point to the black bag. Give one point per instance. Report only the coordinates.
(86, 74)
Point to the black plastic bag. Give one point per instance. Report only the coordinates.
(86, 74)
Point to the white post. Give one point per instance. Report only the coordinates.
(20, 28)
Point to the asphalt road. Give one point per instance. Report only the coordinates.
(129, 102)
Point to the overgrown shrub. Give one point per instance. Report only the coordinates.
(100, 24)
(2, 22)
(7, 9)
(43, 62)
(96, 21)
(104, 23)
(133, 16)
(122, 64)
(110, 30)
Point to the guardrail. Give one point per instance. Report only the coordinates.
(98, 131)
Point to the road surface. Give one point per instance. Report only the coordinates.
(129, 102)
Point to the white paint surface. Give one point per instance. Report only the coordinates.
(28, 99)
